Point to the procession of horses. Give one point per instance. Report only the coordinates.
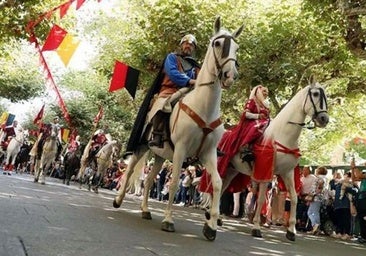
(195, 135)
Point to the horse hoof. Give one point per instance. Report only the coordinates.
(256, 233)
(146, 215)
(220, 222)
(207, 215)
(209, 233)
(290, 236)
(35, 180)
(167, 226)
(115, 205)
(43, 183)
(95, 190)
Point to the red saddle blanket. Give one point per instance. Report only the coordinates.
(264, 161)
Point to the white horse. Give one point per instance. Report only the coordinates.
(105, 157)
(13, 149)
(48, 156)
(195, 129)
(283, 132)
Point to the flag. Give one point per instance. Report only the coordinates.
(124, 76)
(65, 134)
(3, 118)
(10, 120)
(67, 48)
(64, 8)
(98, 116)
(54, 38)
(39, 115)
(79, 3)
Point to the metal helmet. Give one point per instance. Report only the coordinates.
(190, 39)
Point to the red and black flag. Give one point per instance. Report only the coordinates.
(124, 76)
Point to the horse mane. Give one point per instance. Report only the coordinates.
(284, 116)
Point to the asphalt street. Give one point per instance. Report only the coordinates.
(59, 220)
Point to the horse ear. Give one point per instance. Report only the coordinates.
(312, 80)
(217, 25)
(238, 31)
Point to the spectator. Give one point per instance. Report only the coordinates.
(357, 175)
(342, 212)
(317, 197)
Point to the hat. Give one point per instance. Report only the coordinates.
(190, 39)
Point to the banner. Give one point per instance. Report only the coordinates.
(65, 134)
(39, 116)
(3, 118)
(124, 76)
(10, 120)
(67, 48)
(54, 38)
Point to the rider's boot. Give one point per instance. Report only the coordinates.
(246, 154)
(158, 130)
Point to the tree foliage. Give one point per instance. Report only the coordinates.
(283, 43)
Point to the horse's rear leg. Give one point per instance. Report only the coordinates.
(262, 188)
(147, 187)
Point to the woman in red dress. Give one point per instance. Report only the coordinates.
(251, 126)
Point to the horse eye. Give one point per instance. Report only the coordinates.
(217, 43)
(237, 64)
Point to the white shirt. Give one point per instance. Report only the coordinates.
(307, 183)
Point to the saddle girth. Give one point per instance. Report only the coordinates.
(206, 128)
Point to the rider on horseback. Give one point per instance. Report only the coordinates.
(8, 133)
(45, 132)
(99, 139)
(180, 70)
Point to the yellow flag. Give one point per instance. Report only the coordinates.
(4, 118)
(65, 134)
(67, 48)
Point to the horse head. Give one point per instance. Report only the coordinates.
(315, 104)
(223, 48)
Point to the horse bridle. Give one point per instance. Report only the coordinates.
(224, 54)
(323, 100)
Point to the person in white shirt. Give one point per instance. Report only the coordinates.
(307, 181)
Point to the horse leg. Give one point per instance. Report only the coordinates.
(168, 223)
(147, 186)
(135, 158)
(210, 227)
(261, 192)
(36, 170)
(288, 179)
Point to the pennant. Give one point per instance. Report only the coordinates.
(124, 76)
(10, 120)
(39, 116)
(67, 48)
(65, 134)
(79, 3)
(64, 8)
(98, 116)
(3, 118)
(54, 38)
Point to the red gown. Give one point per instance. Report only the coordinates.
(245, 132)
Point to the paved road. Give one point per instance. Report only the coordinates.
(59, 220)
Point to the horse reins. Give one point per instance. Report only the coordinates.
(323, 101)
